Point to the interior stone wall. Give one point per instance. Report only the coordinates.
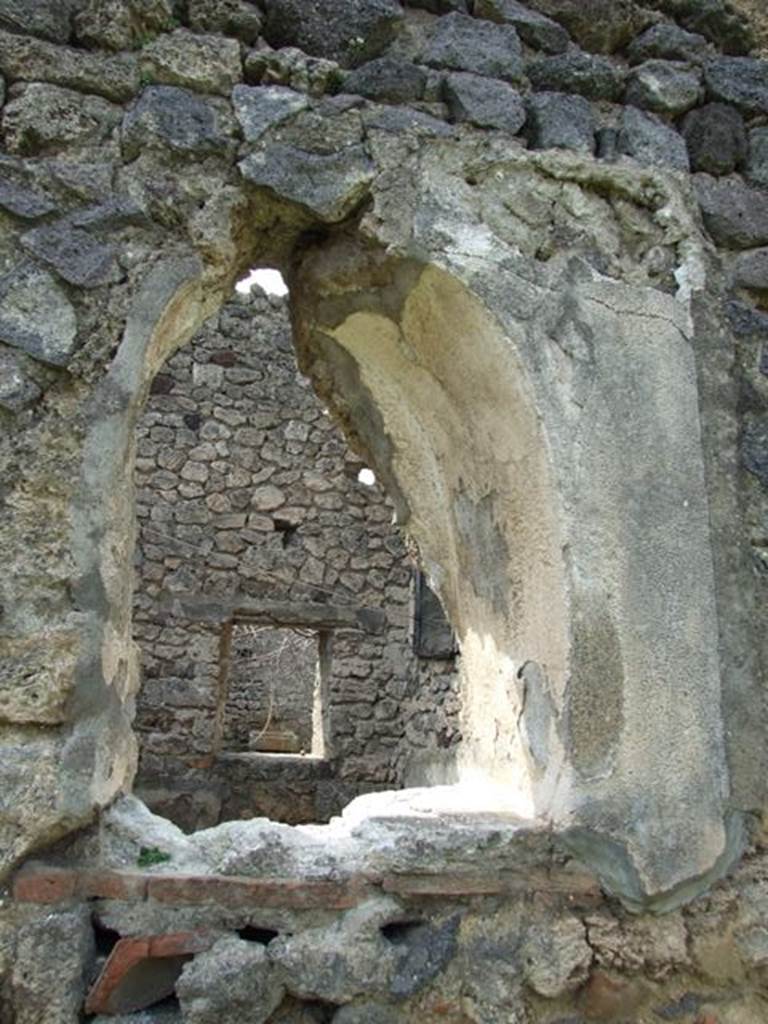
(552, 214)
(245, 486)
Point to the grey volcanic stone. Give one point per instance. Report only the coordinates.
(17, 391)
(740, 81)
(750, 270)
(425, 950)
(440, 6)
(234, 980)
(227, 17)
(716, 138)
(720, 23)
(667, 42)
(388, 80)
(663, 87)
(349, 33)
(174, 118)
(36, 316)
(560, 121)
(49, 19)
(597, 78)
(649, 140)
(533, 28)
(46, 118)
(484, 102)
(754, 447)
(330, 185)
(260, 107)
(746, 322)
(193, 61)
(601, 26)
(73, 254)
(121, 24)
(734, 214)
(757, 162)
(17, 196)
(469, 44)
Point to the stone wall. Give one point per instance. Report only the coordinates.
(244, 486)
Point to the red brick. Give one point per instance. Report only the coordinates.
(119, 987)
(443, 885)
(235, 891)
(38, 883)
(130, 886)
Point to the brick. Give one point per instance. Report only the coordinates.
(130, 886)
(142, 970)
(234, 891)
(38, 883)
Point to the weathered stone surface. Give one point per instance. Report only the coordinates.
(597, 78)
(716, 139)
(155, 1015)
(754, 454)
(387, 80)
(740, 81)
(440, 6)
(481, 47)
(601, 26)
(53, 956)
(17, 391)
(756, 168)
(330, 185)
(167, 116)
(366, 1013)
(258, 108)
(49, 19)
(423, 952)
(19, 198)
(45, 118)
(36, 316)
(73, 254)
(122, 24)
(233, 979)
(722, 23)
(667, 41)
(192, 61)
(228, 17)
(36, 672)
(292, 67)
(484, 102)
(29, 60)
(664, 87)
(750, 270)
(557, 957)
(734, 214)
(533, 28)
(350, 35)
(649, 140)
(556, 120)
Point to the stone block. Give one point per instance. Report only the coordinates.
(226, 17)
(37, 675)
(44, 119)
(716, 139)
(666, 41)
(485, 102)
(470, 44)
(750, 270)
(740, 81)
(121, 24)
(597, 78)
(234, 980)
(601, 26)
(535, 29)
(560, 121)
(166, 116)
(664, 87)
(754, 447)
(73, 254)
(330, 185)
(192, 61)
(756, 168)
(649, 140)
(735, 215)
(29, 60)
(387, 80)
(259, 108)
(17, 389)
(350, 34)
(49, 19)
(720, 22)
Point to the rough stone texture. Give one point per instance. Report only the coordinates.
(49, 19)
(17, 391)
(193, 61)
(351, 35)
(44, 119)
(667, 41)
(489, 104)
(601, 26)
(122, 24)
(750, 270)
(37, 316)
(258, 109)
(756, 168)
(167, 116)
(649, 140)
(461, 43)
(740, 81)
(716, 139)
(735, 215)
(664, 87)
(233, 977)
(597, 78)
(556, 120)
(387, 80)
(533, 28)
(74, 254)
(236, 18)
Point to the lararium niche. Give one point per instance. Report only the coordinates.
(292, 655)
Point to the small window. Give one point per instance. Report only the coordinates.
(273, 688)
(433, 635)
